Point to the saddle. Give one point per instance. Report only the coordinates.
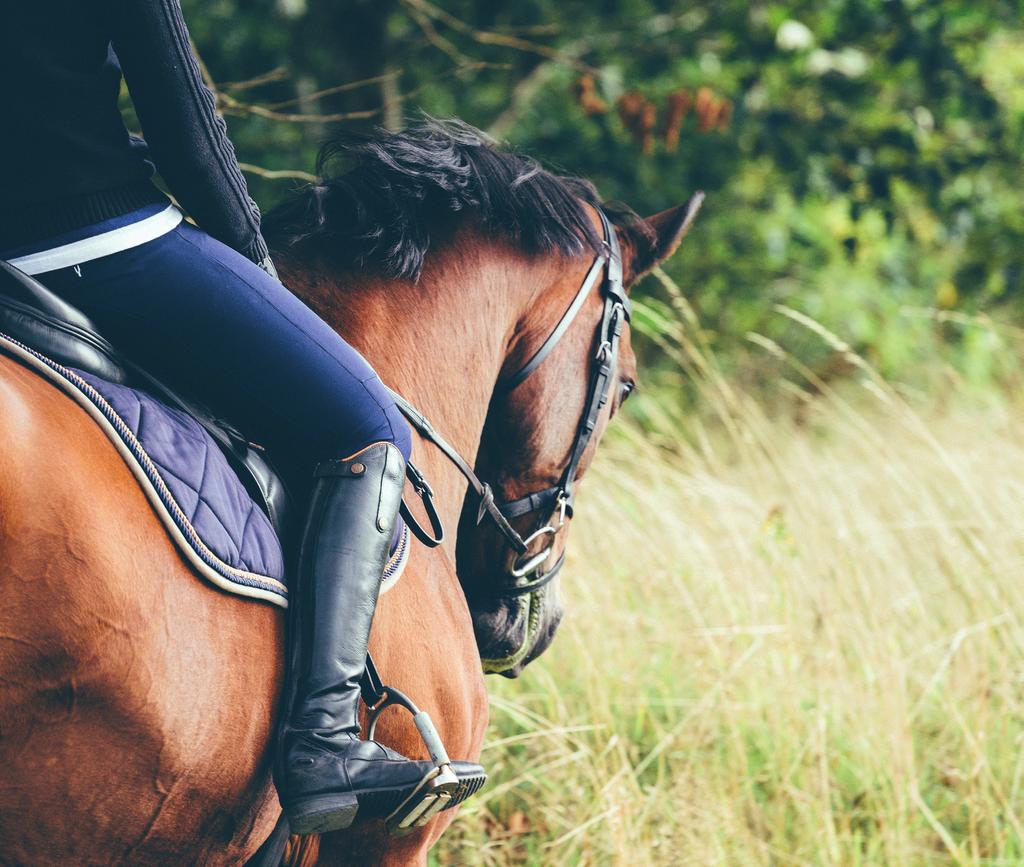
(219, 497)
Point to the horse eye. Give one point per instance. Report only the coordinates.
(625, 390)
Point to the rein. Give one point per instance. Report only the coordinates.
(560, 497)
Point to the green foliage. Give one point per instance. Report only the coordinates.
(867, 166)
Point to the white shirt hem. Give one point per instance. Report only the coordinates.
(98, 246)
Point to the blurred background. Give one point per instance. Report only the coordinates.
(804, 643)
(862, 159)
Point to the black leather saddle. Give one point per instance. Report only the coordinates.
(36, 317)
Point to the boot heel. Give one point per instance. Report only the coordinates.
(323, 813)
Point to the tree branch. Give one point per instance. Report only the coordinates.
(339, 88)
(278, 74)
(277, 174)
(489, 37)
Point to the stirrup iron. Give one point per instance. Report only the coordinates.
(437, 788)
(429, 798)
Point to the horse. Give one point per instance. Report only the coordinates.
(137, 701)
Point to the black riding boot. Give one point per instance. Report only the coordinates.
(325, 774)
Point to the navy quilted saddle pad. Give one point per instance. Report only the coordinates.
(223, 533)
(203, 492)
(202, 503)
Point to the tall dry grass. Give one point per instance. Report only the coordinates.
(787, 643)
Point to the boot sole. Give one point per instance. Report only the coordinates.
(325, 813)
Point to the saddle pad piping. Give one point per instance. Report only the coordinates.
(236, 581)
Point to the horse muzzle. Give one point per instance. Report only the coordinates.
(512, 631)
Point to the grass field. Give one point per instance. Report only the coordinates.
(786, 643)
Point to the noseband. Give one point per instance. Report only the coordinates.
(555, 503)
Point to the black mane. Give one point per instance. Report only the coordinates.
(405, 190)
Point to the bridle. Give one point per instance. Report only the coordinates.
(558, 499)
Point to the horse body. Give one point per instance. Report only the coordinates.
(121, 723)
(137, 702)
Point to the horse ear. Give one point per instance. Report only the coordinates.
(656, 238)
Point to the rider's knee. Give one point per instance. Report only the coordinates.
(384, 424)
(401, 435)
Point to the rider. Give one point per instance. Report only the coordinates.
(203, 309)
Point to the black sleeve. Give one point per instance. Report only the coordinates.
(187, 138)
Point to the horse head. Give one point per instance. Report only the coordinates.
(570, 367)
(436, 220)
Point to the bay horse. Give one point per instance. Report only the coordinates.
(137, 702)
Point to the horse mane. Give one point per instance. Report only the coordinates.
(402, 193)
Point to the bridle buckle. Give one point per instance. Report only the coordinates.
(563, 505)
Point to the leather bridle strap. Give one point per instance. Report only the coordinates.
(617, 310)
(482, 489)
(535, 502)
(559, 331)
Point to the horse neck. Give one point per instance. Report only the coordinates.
(440, 342)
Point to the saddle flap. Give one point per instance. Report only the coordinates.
(31, 313)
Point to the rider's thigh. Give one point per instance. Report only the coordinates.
(211, 323)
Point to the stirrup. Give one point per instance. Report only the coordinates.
(439, 785)
(433, 794)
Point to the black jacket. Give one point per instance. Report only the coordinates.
(66, 159)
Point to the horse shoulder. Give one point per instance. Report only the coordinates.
(136, 697)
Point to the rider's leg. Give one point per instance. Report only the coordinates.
(325, 774)
(209, 321)
(206, 320)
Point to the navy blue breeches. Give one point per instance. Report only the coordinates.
(213, 325)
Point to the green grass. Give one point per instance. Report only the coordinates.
(791, 639)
